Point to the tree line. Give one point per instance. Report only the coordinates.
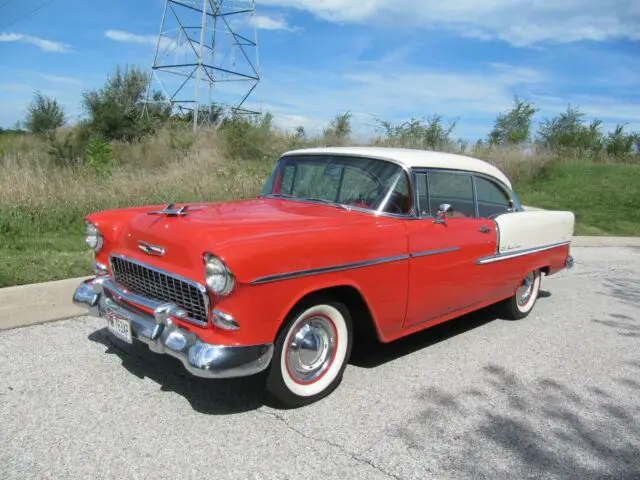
(118, 111)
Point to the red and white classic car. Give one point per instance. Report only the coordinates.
(340, 241)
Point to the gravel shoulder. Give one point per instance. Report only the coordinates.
(556, 395)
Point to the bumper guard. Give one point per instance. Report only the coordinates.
(163, 336)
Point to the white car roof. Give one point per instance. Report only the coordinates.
(413, 158)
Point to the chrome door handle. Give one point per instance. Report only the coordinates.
(484, 230)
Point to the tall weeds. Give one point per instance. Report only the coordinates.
(40, 192)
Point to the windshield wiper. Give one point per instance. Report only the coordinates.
(281, 195)
(310, 199)
(326, 202)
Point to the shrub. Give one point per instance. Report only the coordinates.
(513, 127)
(99, 156)
(44, 115)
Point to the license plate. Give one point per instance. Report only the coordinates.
(119, 325)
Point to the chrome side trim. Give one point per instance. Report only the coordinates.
(347, 266)
(427, 253)
(527, 251)
(321, 270)
(195, 284)
(163, 336)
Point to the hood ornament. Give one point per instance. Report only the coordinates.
(171, 211)
(149, 249)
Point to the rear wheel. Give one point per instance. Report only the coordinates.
(521, 303)
(311, 353)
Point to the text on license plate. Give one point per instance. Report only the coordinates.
(119, 325)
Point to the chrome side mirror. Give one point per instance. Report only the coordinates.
(441, 214)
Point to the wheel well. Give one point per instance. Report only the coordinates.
(363, 324)
(545, 270)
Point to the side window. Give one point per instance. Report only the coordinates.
(492, 200)
(455, 189)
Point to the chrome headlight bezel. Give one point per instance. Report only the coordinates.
(217, 275)
(92, 236)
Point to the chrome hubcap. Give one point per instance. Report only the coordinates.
(311, 348)
(525, 290)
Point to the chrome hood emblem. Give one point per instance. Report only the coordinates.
(149, 249)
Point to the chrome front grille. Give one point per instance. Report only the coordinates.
(161, 286)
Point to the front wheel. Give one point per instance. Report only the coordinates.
(521, 303)
(310, 353)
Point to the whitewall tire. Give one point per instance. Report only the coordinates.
(522, 302)
(310, 353)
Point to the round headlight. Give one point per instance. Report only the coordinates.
(217, 275)
(92, 236)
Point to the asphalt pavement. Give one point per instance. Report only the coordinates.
(555, 395)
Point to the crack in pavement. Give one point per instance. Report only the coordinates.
(354, 456)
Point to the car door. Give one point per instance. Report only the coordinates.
(443, 274)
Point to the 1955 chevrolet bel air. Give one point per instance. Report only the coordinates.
(341, 241)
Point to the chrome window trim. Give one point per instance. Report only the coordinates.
(519, 253)
(191, 282)
(347, 266)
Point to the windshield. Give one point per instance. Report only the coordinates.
(365, 183)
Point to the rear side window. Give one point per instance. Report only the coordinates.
(455, 189)
(492, 200)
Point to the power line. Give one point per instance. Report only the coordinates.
(28, 14)
(5, 2)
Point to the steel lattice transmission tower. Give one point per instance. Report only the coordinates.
(206, 58)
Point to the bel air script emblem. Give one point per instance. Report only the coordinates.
(151, 249)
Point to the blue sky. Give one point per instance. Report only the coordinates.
(387, 59)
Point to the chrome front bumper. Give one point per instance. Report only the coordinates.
(163, 336)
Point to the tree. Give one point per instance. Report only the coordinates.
(44, 114)
(568, 132)
(416, 133)
(339, 128)
(117, 112)
(300, 132)
(619, 143)
(513, 127)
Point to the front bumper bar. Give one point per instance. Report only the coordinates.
(163, 336)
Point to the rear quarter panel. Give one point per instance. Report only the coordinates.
(521, 234)
(529, 229)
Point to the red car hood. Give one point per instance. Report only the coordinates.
(220, 228)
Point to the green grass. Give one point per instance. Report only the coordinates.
(46, 243)
(43, 257)
(604, 197)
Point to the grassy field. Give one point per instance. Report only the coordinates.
(42, 203)
(604, 197)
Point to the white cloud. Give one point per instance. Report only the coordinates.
(41, 43)
(519, 22)
(122, 36)
(263, 22)
(60, 79)
(397, 91)
(168, 46)
(14, 87)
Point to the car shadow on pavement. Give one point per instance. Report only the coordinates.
(532, 427)
(211, 397)
(371, 353)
